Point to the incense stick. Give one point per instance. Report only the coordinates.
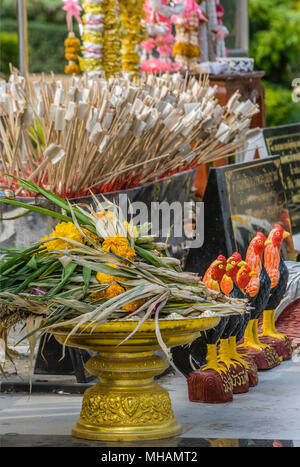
(106, 130)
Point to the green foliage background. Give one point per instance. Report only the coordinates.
(274, 43)
(47, 30)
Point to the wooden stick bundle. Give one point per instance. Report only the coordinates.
(79, 134)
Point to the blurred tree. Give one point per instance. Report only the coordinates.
(274, 33)
(47, 30)
(48, 11)
(275, 45)
(8, 51)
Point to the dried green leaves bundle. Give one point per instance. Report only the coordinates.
(110, 270)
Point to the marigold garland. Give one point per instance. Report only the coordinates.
(111, 39)
(133, 33)
(72, 47)
(186, 49)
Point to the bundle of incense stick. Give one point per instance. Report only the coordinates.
(83, 134)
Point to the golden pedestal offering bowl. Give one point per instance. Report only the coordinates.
(127, 404)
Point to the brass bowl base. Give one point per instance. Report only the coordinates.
(127, 404)
(164, 431)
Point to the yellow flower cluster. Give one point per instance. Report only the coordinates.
(131, 14)
(93, 8)
(93, 236)
(66, 230)
(117, 245)
(188, 50)
(106, 278)
(72, 47)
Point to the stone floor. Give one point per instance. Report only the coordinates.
(267, 414)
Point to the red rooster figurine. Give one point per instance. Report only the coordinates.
(237, 276)
(257, 292)
(212, 382)
(278, 274)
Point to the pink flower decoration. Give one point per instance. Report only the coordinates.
(149, 44)
(220, 13)
(154, 65)
(165, 49)
(73, 9)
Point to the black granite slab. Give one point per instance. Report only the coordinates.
(239, 201)
(18, 440)
(285, 141)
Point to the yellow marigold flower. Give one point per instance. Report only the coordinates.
(107, 278)
(132, 306)
(114, 290)
(93, 236)
(66, 230)
(97, 295)
(73, 42)
(70, 56)
(72, 69)
(119, 245)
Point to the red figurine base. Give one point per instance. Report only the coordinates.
(240, 378)
(265, 359)
(252, 371)
(209, 386)
(282, 346)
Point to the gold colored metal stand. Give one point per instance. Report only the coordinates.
(127, 404)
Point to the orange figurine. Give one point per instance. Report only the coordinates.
(212, 382)
(278, 273)
(234, 281)
(258, 292)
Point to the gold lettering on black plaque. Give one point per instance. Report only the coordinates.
(257, 201)
(285, 142)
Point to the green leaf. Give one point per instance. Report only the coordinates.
(32, 263)
(53, 266)
(151, 258)
(87, 273)
(55, 200)
(27, 282)
(40, 210)
(67, 272)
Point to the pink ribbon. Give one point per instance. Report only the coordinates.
(73, 9)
